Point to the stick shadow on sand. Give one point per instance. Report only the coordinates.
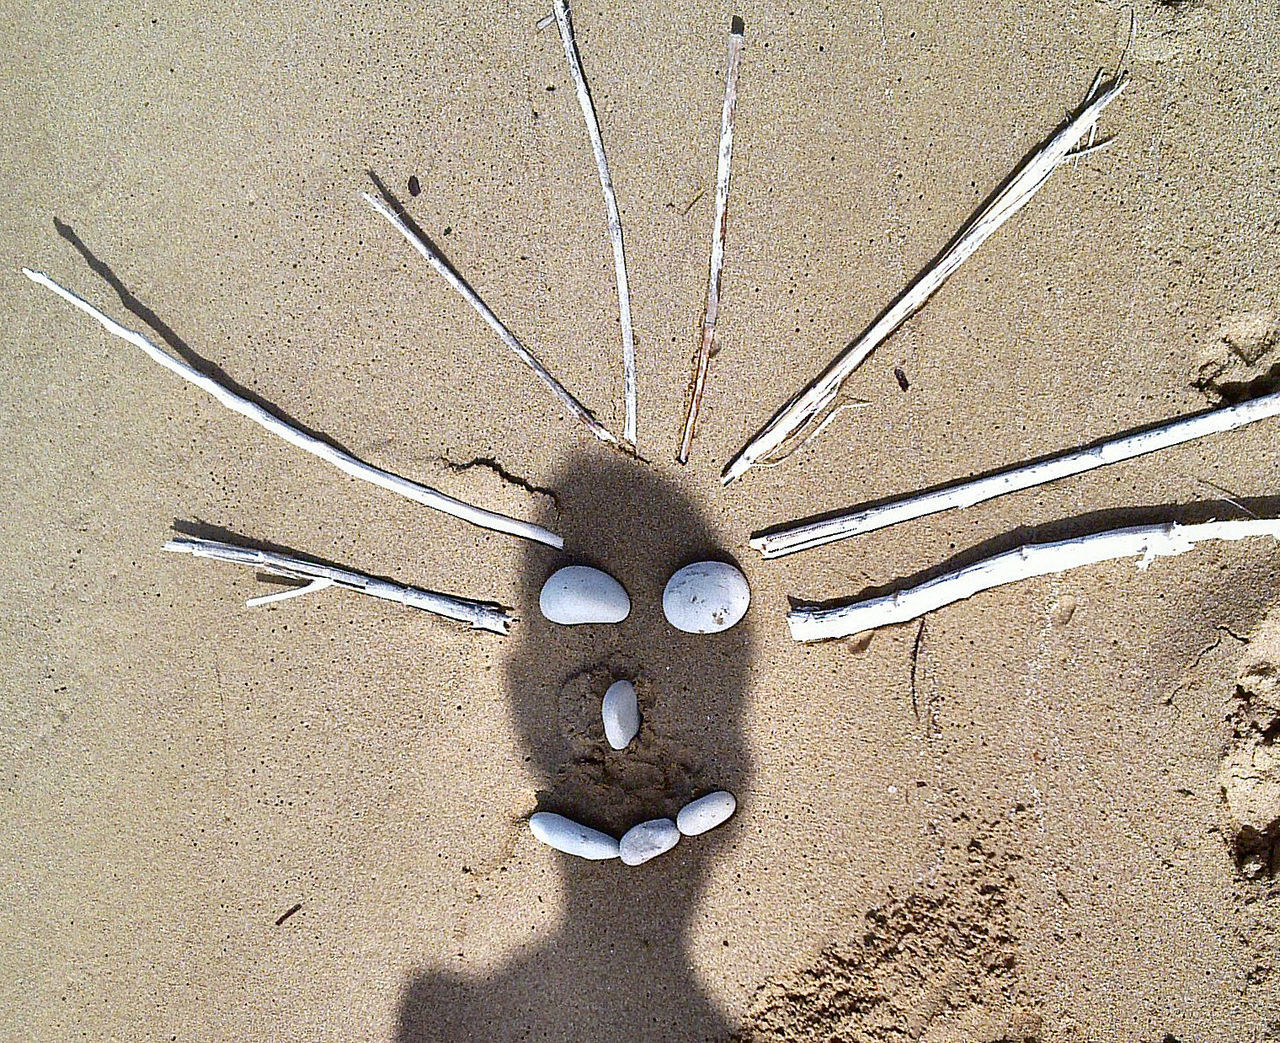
(176, 343)
(618, 964)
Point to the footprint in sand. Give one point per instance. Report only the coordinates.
(1250, 771)
(1243, 360)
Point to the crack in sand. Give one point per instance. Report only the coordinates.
(491, 464)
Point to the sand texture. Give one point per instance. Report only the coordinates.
(1047, 813)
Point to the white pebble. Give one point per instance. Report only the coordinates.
(571, 837)
(648, 840)
(706, 597)
(621, 714)
(580, 594)
(706, 813)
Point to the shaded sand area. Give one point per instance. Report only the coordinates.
(1010, 824)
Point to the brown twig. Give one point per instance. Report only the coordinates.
(699, 379)
(288, 913)
(915, 665)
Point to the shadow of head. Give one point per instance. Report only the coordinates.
(615, 514)
(617, 966)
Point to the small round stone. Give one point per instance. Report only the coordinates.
(579, 594)
(706, 597)
(571, 837)
(648, 840)
(621, 714)
(706, 813)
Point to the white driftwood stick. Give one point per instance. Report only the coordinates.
(613, 218)
(482, 615)
(1043, 559)
(508, 338)
(1026, 182)
(781, 542)
(712, 315)
(315, 446)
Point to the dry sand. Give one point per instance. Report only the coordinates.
(1016, 832)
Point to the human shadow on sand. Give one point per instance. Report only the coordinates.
(618, 967)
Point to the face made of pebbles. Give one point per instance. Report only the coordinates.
(616, 515)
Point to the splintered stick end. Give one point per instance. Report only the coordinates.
(1028, 178)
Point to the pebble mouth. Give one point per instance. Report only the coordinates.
(644, 841)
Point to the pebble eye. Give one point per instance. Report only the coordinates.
(578, 594)
(706, 597)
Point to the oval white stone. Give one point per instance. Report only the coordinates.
(580, 594)
(706, 597)
(571, 837)
(706, 813)
(648, 840)
(621, 714)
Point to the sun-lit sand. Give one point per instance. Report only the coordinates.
(1041, 814)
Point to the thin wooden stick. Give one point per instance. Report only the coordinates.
(703, 359)
(1151, 541)
(316, 447)
(1021, 188)
(792, 539)
(508, 338)
(482, 615)
(614, 219)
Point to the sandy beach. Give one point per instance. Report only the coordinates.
(1025, 818)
